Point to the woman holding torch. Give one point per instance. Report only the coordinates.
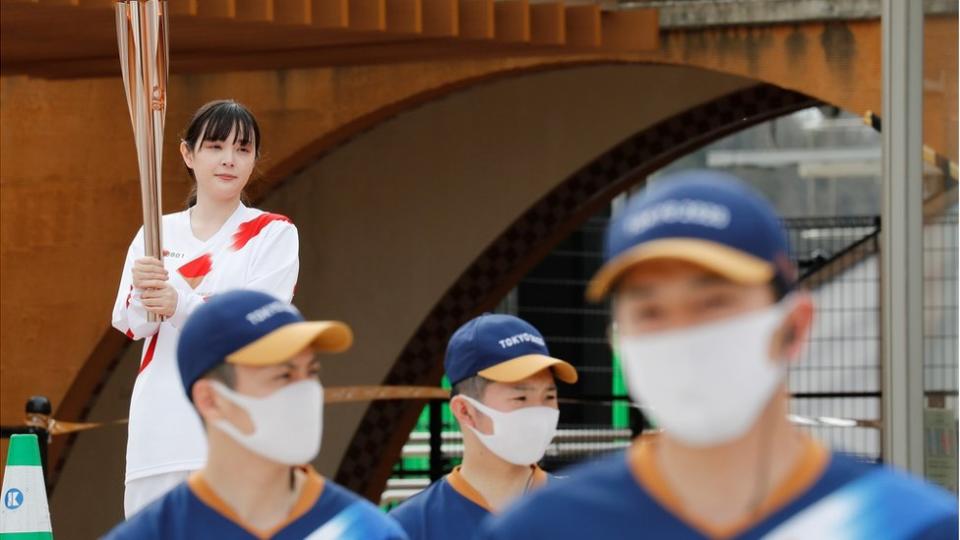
(215, 245)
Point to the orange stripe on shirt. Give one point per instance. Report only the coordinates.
(461, 486)
(309, 495)
(808, 469)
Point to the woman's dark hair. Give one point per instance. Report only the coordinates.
(214, 122)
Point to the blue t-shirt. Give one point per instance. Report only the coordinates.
(833, 497)
(449, 509)
(324, 511)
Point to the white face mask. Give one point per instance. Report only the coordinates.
(706, 385)
(520, 437)
(287, 424)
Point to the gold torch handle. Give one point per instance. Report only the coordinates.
(142, 40)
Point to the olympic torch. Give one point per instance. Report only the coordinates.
(142, 37)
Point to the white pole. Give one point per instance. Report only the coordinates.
(902, 254)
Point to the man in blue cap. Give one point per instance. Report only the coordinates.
(248, 363)
(505, 400)
(706, 319)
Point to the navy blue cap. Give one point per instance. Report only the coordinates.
(501, 348)
(708, 218)
(251, 328)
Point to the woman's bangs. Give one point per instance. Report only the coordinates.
(223, 120)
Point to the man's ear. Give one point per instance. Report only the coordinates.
(206, 400)
(795, 329)
(462, 412)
